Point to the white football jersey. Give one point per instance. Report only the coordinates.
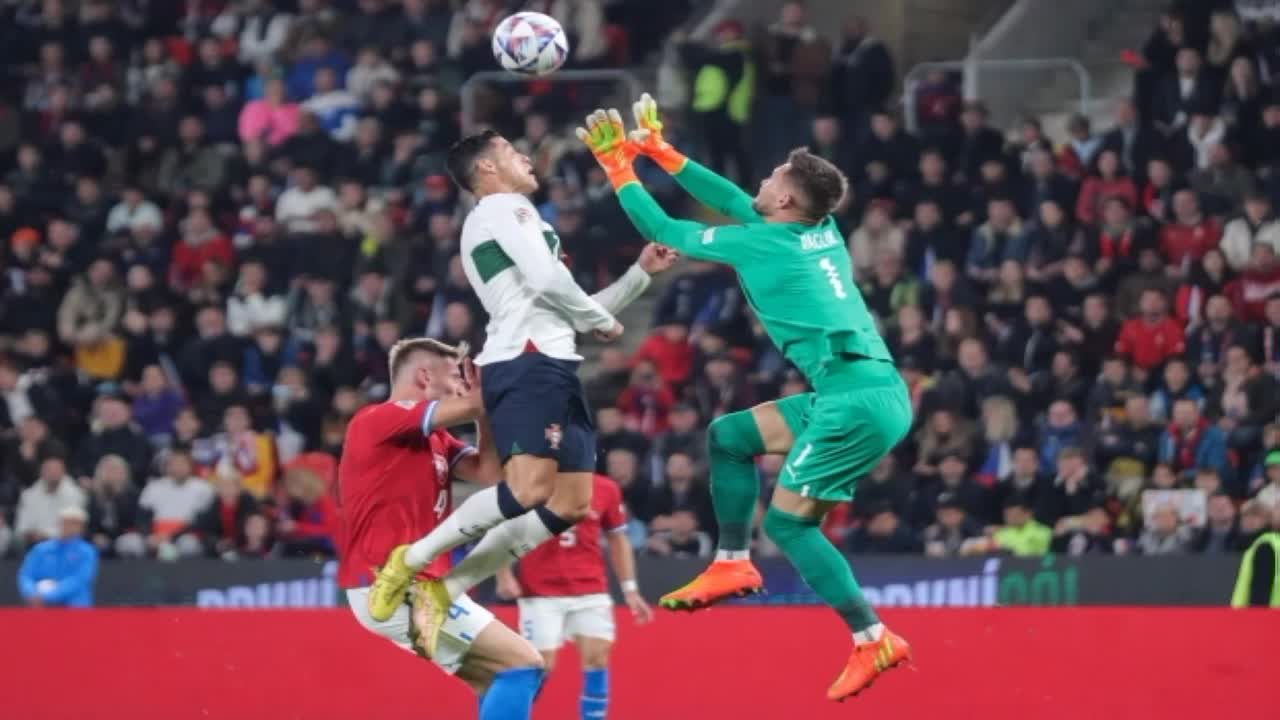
(512, 260)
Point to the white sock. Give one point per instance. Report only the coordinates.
(870, 635)
(500, 547)
(733, 554)
(472, 519)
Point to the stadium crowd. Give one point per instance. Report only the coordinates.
(220, 215)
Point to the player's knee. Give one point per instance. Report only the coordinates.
(734, 436)
(527, 657)
(531, 479)
(530, 494)
(595, 657)
(778, 526)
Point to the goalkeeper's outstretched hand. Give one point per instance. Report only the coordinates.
(606, 137)
(647, 137)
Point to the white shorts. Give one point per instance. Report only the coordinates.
(547, 622)
(466, 620)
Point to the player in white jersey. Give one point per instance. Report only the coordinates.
(542, 426)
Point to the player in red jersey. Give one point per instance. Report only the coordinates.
(564, 594)
(394, 486)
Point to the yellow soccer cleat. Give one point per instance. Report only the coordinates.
(390, 586)
(431, 604)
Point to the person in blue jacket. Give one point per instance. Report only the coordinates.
(60, 572)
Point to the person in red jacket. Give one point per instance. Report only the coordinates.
(668, 348)
(201, 242)
(308, 523)
(1258, 282)
(1191, 234)
(1107, 182)
(646, 401)
(1152, 337)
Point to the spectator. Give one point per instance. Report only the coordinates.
(876, 237)
(646, 401)
(1178, 383)
(271, 119)
(978, 142)
(952, 531)
(332, 106)
(1151, 338)
(1269, 496)
(883, 534)
(862, 77)
(1079, 155)
(1030, 343)
(243, 453)
(889, 288)
(192, 164)
(1188, 89)
(371, 68)
(720, 389)
(60, 572)
(796, 69)
(726, 73)
(684, 435)
(201, 243)
(668, 349)
(1256, 225)
(1087, 534)
(263, 31)
(952, 478)
(297, 207)
(41, 505)
(1021, 535)
(251, 306)
(681, 538)
(112, 432)
(1129, 446)
(1259, 280)
(1108, 182)
(309, 522)
(24, 453)
(1074, 486)
(1207, 340)
(995, 241)
(1131, 139)
(1167, 535)
(170, 504)
(1190, 235)
(88, 318)
(1192, 442)
(1223, 182)
(1220, 533)
(1061, 430)
(114, 517)
(681, 490)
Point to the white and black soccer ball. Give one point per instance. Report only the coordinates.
(530, 43)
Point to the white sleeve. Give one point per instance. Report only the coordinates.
(624, 290)
(517, 229)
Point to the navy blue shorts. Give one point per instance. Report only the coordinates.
(536, 406)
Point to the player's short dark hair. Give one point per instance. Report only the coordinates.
(405, 349)
(821, 184)
(461, 161)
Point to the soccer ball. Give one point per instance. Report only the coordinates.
(530, 43)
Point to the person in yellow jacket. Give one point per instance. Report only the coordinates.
(724, 83)
(1258, 582)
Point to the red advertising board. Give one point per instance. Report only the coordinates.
(756, 663)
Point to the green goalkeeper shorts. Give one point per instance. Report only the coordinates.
(843, 430)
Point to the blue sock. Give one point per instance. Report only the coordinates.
(510, 695)
(595, 694)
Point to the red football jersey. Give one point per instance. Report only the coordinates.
(572, 564)
(393, 486)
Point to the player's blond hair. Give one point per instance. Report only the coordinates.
(404, 349)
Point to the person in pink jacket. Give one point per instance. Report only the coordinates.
(272, 118)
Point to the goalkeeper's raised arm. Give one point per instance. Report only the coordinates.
(714, 191)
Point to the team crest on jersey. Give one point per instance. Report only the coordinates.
(442, 468)
(554, 435)
(524, 215)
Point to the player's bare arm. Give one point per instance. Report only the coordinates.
(622, 559)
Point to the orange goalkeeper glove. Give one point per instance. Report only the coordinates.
(606, 137)
(648, 136)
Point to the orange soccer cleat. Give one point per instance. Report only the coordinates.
(866, 663)
(722, 579)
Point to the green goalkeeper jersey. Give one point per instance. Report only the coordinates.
(798, 278)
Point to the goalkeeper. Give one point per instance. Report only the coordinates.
(796, 274)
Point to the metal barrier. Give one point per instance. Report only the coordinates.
(971, 68)
(468, 90)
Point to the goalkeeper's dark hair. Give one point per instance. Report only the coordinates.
(822, 186)
(461, 161)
